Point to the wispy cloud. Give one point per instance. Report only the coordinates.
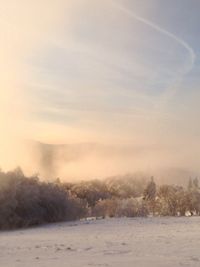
(191, 54)
(94, 70)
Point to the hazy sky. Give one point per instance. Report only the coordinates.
(101, 71)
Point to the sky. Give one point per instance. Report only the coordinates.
(109, 71)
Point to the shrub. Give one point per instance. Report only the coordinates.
(27, 201)
(130, 207)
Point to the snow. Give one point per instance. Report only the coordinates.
(125, 242)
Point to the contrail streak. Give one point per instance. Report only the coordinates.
(171, 90)
(161, 30)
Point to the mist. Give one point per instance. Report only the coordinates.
(77, 103)
(86, 161)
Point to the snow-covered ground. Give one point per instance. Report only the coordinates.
(142, 242)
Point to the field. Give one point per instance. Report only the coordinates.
(142, 242)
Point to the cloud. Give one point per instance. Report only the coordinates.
(189, 64)
(85, 70)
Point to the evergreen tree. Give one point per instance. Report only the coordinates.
(196, 183)
(190, 184)
(150, 190)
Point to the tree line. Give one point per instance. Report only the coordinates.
(27, 201)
